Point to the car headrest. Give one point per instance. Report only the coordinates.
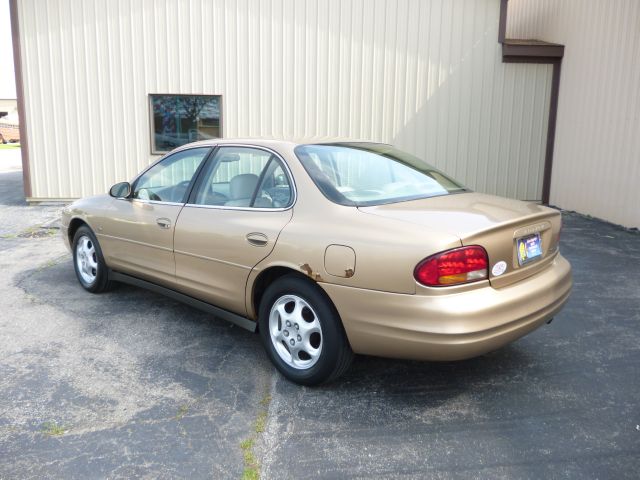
(242, 186)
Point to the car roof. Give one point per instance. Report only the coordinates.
(274, 141)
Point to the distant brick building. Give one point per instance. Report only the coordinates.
(9, 124)
(9, 131)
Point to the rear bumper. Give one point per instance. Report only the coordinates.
(450, 327)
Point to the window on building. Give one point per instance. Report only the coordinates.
(180, 119)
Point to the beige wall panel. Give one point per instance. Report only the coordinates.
(426, 75)
(597, 147)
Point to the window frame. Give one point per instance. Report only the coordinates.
(194, 179)
(274, 155)
(152, 146)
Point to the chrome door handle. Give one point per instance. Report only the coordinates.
(163, 222)
(257, 239)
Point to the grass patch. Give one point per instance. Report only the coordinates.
(182, 411)
(33, 232)
(251, 468)
(52, 429)
(38, 232)
(251, 465)
(261, 421)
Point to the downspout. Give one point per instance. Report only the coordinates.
(536, 51)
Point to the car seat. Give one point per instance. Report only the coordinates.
(241, 188)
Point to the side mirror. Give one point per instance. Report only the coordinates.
(120, 190)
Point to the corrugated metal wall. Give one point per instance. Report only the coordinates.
(596, 166)
(424, 74)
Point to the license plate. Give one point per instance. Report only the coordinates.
(529, 249)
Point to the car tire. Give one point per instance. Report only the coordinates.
(302, 333)
(88, 262)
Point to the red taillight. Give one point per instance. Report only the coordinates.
(460, 265)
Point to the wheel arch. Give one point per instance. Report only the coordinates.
(74, 225)
(305, 285)
(265, 278)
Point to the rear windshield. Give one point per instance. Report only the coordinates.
(365, 174)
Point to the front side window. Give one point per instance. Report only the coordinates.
(364, 174)
(244, 177)
(180, 119)
(168, 181)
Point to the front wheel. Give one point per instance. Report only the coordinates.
(302, 332)
(88, 261)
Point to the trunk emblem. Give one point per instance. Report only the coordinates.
(499, 268)
(540, 227)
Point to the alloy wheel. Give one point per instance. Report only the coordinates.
(86, 259)
(295, 332)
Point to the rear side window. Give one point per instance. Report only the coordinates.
(364, 174)
(275, 188)
(244, 177)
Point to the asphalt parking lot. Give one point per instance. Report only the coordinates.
(129, 383)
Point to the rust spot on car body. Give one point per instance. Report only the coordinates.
(306, 268)
(348, 272)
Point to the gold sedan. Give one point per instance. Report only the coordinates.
(327, 249)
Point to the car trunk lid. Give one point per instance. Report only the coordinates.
(495, 223)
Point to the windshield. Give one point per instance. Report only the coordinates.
(364, 174)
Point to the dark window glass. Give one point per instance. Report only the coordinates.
(180, 119)
(361, 174)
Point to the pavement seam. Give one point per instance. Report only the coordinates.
(269, 440)
(251, 446)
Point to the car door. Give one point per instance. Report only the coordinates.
(137, 232)
(241, 202)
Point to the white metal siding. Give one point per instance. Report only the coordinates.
(596, 166)
(424, 75)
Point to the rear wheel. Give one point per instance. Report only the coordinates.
(88, 261)
(302, 332)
